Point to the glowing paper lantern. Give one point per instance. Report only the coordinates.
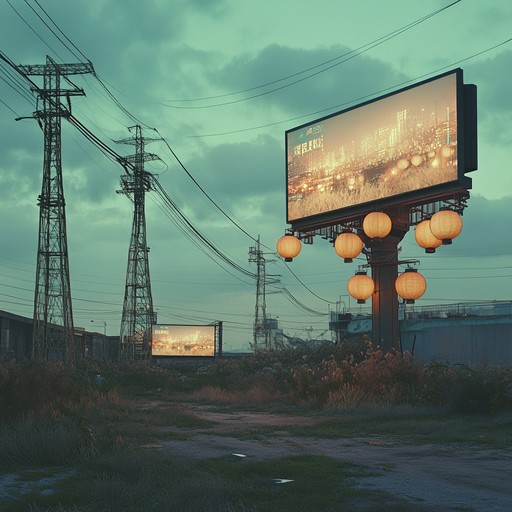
(288, 246)
(360, 287)
(348, 246)
(425, 238)
(446, 225)
(377, 225)
(410, 285)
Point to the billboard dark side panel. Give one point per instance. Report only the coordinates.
(183, 340)
(401, 143)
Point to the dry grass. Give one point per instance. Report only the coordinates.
(102, 430)
(253, 395)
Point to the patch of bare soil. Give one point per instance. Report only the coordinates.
(440, 477)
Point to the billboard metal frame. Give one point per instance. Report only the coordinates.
(217, 346)
(377, 144)
(453, 191)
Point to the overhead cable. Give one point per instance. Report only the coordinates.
(130, 115)
(163, 194)
(347, 56)
(57, 27)
(295, 301)
(306, 287)
(203, 190)
(355, 100)
(33, 30)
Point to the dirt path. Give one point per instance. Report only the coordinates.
(444, 478)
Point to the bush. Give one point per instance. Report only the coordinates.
(138, 374)
(48, 442)
(335, 376)
(343, 376)
(38, 388)
(483, 391)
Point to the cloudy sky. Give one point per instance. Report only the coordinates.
(221, 81)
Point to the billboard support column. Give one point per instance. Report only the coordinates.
(384, 264)
(218, 335)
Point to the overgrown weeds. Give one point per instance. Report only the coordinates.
(97, 420)
(348, 376)
(334, 377)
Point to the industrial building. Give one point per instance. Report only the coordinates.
(469, 333)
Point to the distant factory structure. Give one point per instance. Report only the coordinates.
(467, 333)
(16, 340)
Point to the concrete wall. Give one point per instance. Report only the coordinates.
(15, 336)
(461, 338)
(471, 341)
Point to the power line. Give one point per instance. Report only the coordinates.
(299, 304)
(111, 154)
(33, 30)
(171, 214)
(57, 27)
(6, 105)
(13, 82)
(350, 55)
(53, 32)
(101, 82)
(306, 287)
(203, 190)
(470, 277)
(355, 100)
(172, 205)
(130, 115)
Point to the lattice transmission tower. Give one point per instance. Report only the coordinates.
(138, 314)
(53, 331)
(261, 334)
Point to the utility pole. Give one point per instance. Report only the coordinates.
(261, 335)
(138, 313)
(53, 331)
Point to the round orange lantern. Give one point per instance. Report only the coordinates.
(377, 225)
(348, 246)
(288, 246)
(425, 238)
(410, 285)
(360, 287)
(446, 225)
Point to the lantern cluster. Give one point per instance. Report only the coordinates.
(439, 230)
(377, 225)
(410, 285)
(430, 234)
(348, 245)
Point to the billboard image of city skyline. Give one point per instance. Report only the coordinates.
(398, 144)
(183, 340)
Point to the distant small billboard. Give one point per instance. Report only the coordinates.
(183, 340)
(409, 145)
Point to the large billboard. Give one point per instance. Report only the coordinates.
(183, 340)
(401, 147)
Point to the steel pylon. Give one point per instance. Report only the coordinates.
(261, 335)
(53, 330)
(138, 313)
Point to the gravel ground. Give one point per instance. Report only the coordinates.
(440, 477)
